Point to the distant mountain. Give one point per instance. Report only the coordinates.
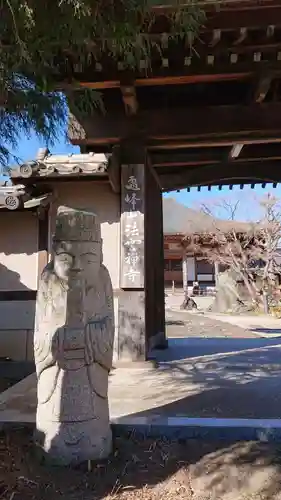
(179, 219)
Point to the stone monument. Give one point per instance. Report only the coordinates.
(73, 344)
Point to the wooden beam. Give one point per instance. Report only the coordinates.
(184, 163)
(176, 145)
(180, 79)
(235, 123)
(226, 173)
(190, 165)
(213, 156)
(186, 157)
(179, 73)
(193, 78)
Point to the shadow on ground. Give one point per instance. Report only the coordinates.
(186, 348)
(267, 330)
(174, 322)
(226, 378)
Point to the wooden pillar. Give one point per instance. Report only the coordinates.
(154, 262)
(141, 301)
(160, 263)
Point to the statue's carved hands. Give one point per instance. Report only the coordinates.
(99, 341)
(46, 347)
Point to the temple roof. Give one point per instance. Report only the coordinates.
(50, 165)
(19, 197)
(21, 190)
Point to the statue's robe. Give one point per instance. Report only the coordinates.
(73, 348)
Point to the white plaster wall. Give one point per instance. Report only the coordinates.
(99, 198)
(18, 271)
(18, 256)
(18, 251)
(191, 268)
(205, 277)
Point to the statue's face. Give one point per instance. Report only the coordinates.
(74, 260)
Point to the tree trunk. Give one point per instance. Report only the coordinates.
(251, 290)
(265, 302)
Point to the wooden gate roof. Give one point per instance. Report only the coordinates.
(208, 115)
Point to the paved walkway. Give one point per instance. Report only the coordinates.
(262, 325)
(265, 326)
(194, 325)
(209, 370)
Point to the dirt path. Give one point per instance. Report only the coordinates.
(144, 469)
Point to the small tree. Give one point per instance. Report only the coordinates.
(231, 249)
(266, 248)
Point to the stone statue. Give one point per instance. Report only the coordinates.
(73, 344)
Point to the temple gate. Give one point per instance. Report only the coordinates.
(206, 116)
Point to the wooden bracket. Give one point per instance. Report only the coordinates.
(235, 151)
(262, 88)
(130, 101)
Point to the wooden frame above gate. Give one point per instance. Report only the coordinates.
(196, 104)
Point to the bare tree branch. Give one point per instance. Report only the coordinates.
(250, 250)
(225, 207)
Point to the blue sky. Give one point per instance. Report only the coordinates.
(248, 208)
(28, 147)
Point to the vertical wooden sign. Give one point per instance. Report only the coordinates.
(132, 226)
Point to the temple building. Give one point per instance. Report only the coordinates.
(188, 238)
(178, 221)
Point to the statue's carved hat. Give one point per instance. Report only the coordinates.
(74, 224)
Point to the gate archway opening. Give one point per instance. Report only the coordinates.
(206, 116)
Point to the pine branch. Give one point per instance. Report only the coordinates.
(35, 37)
